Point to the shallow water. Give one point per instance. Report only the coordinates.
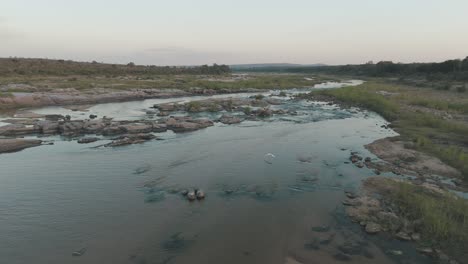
(122, 205)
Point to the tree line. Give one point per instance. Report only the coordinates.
(23, 66)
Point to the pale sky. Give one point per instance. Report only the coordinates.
(189, 32)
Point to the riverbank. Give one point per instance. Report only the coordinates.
(36, 91)
(428, 158)
(434, 122)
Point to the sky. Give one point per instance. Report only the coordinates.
(192, 32)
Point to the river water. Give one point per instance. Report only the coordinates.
(122, 205)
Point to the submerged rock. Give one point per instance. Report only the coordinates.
(79, 253)
(87, 140)
(130, 139)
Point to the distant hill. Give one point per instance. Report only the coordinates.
(270, 67)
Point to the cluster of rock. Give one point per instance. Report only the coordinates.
(377, 214)
(251, 107)
(128, 132)
(360, 162)
(104, 126)
(192, 195)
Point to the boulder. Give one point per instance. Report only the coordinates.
(373, 228)
(200, 194)
(70, 128)
(158, 128)
(47, 127)
(229, 120)
(54, 117)
(191, 196)
(17, 130)
(137, 128)
(94, 126)
(17, 144)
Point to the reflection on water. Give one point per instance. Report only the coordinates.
(125, 205)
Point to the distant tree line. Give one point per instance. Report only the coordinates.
(21, 66)
(456, 70)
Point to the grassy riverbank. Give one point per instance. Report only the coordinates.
(433, 218)
(435, 121)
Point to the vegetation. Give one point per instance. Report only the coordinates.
(46, 67)
(443, 216)
(451, 69)
(435, 121)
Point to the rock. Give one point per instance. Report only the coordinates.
(92, 116)
(389, 220)
(54, 117)
(229, 120)
(426, 251)
(360, 165)
(94, 126)
(187, 125)
(373, 228)
(264, 112)
(158, 128)
(17, 144)
(130, 139)
(200, 194)
(396, 252)
(70, 128)
(87, 140)
(415, 236)
(191, 196)
(47, 127)
(367, 159)
(137, 128)
(163, 113)
(351, 202)
(17, 130)
(114, 129)
(184, 192)
(166, 107)
(342, 257)
(351, 195)
(354, 158)
(403, 236)
(79, 253)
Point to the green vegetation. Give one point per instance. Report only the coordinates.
(259, 97)
(5, 94)
(448, 70)
(431, 125)
(443, 216)
(194, 106)
(45, 67)
(361, 96)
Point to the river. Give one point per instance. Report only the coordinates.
(122, 205)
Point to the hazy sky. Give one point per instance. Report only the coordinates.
(179, 32)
